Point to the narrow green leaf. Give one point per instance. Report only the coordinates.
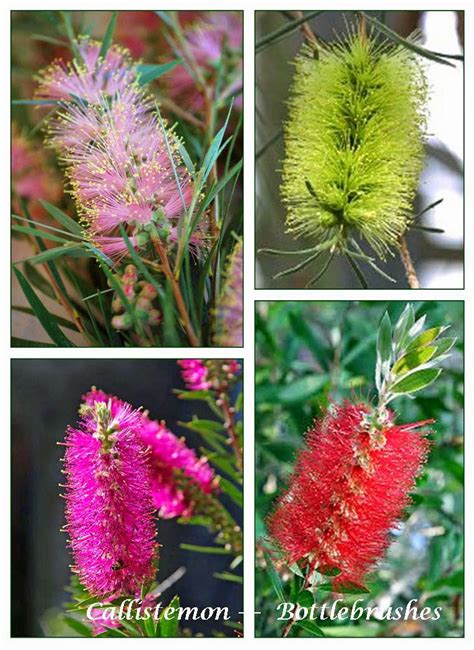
(43, 315)
(73, 250)
(410, 45)
(62, 218)
(415, 381)
(109, 34)
(168, 622)
(149, 72)
(412, 360)
(384, 339)
(403, 326)
(230, 577)
(25, 343)
(62, 322)
(229, 488)
(285, 30)
(35, 232)
(80, 628)
(217, 550)
(275, 578)
(425, 338)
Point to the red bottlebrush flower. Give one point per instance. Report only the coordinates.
(349, 488)
(109, 508)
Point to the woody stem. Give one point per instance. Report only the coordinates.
(178, 296)
(408, 264)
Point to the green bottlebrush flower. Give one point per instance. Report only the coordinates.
(354, 145)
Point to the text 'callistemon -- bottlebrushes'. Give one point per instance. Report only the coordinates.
(353, 477)
(122, 161)
(354, 144)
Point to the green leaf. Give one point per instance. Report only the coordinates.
(216, 550)
(66, 16)
(384, 351)
(231, 491)
(62, 218)
(26, 230)
(81, 628)
(230, 577)
(443, 346)
(149, 72)
(403, 326)
(168, 621)
(109, 34)
(412, 360)
(384, 339)
(74, 250)
(426, 337)
(294, 568)
(38, 281)
(275, 578)
(62, 322)
(410, 45)
(42, 314)
(282, 32)
(311, 628)
(415, 381)
(25, 343)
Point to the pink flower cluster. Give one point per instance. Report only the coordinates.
(229, 324)
(195, 374)
(167, 454)
(217, 35)
(109, 509)
(211, 374)
(122, 163)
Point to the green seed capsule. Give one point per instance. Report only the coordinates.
(354, 143)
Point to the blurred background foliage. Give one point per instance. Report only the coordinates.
(438, 258)
(311, 353)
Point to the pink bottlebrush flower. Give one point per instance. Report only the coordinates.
(167, 454)
(195, 374)
(349, 488)
(89, 78)
(207, 39)
(229, 325)
(102, 621)
(123, 164)
(109, 510)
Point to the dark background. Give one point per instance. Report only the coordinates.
(46, 394)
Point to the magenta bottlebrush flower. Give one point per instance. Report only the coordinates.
(123, 165)
(229, 325)
(168, 454)
(109, 509)
(207, 40)
(195, 374)
(349, 488)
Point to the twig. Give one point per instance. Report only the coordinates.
(178, 296)
(408, 264)
(169, 104)
(306, 29)
(229, 425)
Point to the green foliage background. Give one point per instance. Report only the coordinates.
(309, 353)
